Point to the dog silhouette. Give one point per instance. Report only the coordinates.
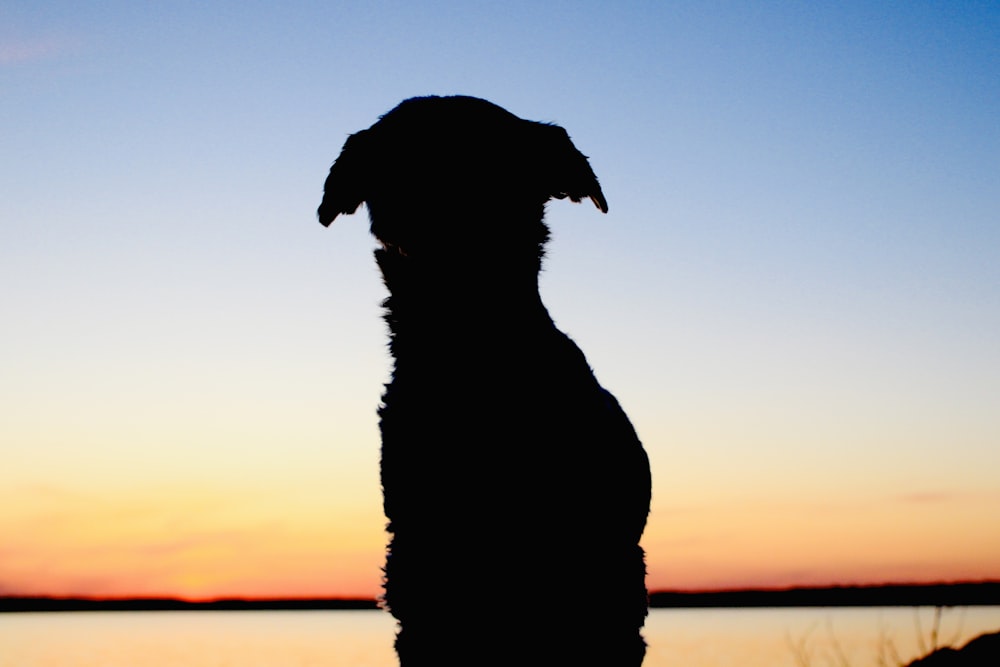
(515, 486)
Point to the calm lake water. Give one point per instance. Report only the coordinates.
(689, 638)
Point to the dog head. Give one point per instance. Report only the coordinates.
(436, 170)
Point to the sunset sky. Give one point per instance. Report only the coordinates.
(795, 294)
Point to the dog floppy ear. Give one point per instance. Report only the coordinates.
(569, 173)
(347, 185)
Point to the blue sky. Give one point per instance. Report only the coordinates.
(794, 294)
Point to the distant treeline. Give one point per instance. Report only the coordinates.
(10, 604)
(891, 595)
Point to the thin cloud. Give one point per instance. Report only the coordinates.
(21, 51)
(926, 497)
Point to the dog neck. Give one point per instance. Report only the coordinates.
(441, 309)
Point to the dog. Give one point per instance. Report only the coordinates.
(515, 487)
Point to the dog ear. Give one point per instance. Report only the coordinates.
(569, 173)
(347, 185)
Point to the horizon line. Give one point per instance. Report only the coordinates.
(692, 592)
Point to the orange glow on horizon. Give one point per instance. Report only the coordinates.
(291, 541)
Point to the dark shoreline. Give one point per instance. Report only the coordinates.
(42, 603)
(964, 594)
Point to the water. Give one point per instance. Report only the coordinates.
(688, 638)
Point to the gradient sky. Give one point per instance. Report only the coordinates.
(795, 294)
